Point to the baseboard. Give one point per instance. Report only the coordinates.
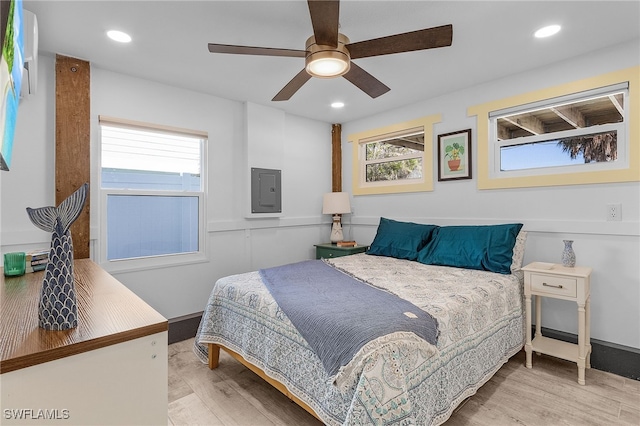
(605, 356)
(184, 327)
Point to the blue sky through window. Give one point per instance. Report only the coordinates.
(536, 155)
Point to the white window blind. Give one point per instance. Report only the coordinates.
(152, 190)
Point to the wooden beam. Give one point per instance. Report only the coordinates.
(617, 101)
(73, 141)
(416, 143)
(407, 144)
(527, 122)
(571, 115)
(503, 132)
(336, 158)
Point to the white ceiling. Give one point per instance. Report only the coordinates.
(491, 39)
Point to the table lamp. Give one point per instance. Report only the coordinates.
(336, 203)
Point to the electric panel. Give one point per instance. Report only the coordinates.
(266, 196)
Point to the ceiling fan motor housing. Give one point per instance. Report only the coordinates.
(324, 61)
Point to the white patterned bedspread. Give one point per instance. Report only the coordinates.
(480, 318)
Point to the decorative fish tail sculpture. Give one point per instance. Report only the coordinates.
(58, 305)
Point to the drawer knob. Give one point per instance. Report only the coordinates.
(551, 285)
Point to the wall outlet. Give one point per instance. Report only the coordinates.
(614, 212)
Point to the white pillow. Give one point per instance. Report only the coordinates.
(518, 251)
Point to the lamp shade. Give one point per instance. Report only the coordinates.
(336, 203)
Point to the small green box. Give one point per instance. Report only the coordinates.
(14, 264)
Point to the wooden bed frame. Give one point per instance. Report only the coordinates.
(214, 360)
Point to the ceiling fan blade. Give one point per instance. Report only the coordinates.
(365, 81)
(292, 87)
(325, 16)
(249, 50)
(428, 38)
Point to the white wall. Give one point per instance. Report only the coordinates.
(31, 181)
(550, 215)
(234, 244)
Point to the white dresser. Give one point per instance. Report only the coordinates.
(110, 370)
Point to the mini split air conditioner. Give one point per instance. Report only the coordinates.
(30, 71)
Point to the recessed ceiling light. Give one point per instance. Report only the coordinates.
(119, 36)
(337, 105)
(547, 31)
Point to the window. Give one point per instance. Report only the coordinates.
(397, 158)
(394, 158)
(582, 132)
(562, 134)
(152, 190)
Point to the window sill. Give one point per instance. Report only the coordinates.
(154, 262)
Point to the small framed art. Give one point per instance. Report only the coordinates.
(454, 155)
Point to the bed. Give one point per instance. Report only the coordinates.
(398, 378)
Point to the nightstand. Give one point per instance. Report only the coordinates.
(553, 280)
(331, 250)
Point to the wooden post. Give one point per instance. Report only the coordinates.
(336, 158)
(73, 141)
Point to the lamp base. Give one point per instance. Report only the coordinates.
(336, 230)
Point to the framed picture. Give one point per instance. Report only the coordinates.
(11, 65)
(454, 155)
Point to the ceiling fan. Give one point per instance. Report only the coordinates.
(329, 54)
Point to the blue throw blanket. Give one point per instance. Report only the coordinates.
(337, 314)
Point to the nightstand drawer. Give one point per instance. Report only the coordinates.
(327, 251)
(560, 286)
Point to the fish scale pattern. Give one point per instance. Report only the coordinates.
(58, 307)
(58, 303)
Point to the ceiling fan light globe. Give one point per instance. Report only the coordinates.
(327, 66)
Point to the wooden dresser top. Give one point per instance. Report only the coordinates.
(108, 313)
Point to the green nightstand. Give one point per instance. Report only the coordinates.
(331, 250)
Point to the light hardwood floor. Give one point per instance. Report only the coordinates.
(548, 394)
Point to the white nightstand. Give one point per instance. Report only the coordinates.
(559, 282)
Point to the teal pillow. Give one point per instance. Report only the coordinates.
(487, 248)
(402, 240)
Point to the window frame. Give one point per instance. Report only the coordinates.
(359, 184)
(627, 170)
(162, 260)
(496, 144)
(382, 139)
